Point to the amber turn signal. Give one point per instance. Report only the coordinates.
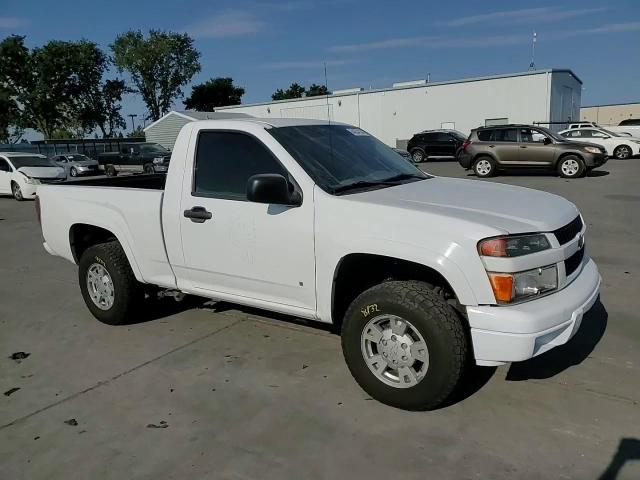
(502, 285)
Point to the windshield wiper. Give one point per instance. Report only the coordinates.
(386, 182)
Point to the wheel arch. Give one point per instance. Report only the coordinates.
(479, 155)
(357, 272)
(84, 235)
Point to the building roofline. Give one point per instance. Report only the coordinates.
(408, 87)
(611, 105)
(172, 112)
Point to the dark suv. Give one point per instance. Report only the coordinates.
(435, 143)
(489, 149)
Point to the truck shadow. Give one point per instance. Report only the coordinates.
(574, 352)
(628, 450)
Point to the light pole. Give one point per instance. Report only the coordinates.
(133, 124)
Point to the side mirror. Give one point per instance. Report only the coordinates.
(271, 188)
(546, 140)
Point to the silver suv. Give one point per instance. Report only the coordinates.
(490, 149)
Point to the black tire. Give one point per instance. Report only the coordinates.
(16, 192)
(418, 155)
(436, 321)
(568, 161)
(110, 171)
(622, 152)
(128, 292)
(484, 167)
(73, 172)
(148, 169)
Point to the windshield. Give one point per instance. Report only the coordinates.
(154, 148)
(339, 156)
(34, 161)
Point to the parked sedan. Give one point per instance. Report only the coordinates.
(435, 143)
(21, 173)
(76, 164)
(618, 146)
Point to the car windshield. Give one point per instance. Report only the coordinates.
(555, 136)
(460, 136)
(77, 158)
(155, 148)
(608, 132)
(34, 161)
(341, 158)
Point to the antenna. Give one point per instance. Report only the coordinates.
(532, 65)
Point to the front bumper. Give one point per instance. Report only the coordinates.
(28, 190)
(523, 331)
(595, 160)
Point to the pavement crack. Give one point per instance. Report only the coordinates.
(119, 375)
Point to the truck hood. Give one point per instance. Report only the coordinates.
(43, 172)
(506, 208)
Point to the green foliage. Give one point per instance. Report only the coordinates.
(159, 65)
(10, 132)
(137, 133)
(294, 91)
(57, 88)
(217, 92)
(316, 90)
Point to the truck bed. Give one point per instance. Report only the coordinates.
(149, 182)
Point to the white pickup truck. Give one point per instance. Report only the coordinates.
(424, 275)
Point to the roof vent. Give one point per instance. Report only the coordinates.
(412, 83)
(348, 90)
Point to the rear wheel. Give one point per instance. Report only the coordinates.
(571, 167)
(404, 345)
(17, 192)
(622, 152)
(108, 286)
(417, 155)
(484, 167)
(110, 171)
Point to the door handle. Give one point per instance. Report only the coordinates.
(198, 214)
(523, 146)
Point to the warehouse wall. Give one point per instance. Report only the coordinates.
(610, 114)
(566, 94)
(166, 131)
(396, 114)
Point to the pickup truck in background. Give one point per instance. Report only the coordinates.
(422, 275)
(135, 158)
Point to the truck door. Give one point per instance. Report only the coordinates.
(5, 176)
(240, 248)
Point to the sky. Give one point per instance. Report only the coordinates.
(265, 45)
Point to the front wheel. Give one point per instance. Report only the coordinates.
(404, 345)
(73, 172)
(108, 286)
(17, 192)
(110, 171)
(571, 167)
(622, 152)
(148, 169)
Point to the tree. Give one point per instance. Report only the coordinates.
(217, 92)
(294, 91)
(159, 65)
(317, 90)
(10, 130)
(137, 133)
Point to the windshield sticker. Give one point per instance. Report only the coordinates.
(357, 132)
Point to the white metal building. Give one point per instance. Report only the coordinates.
(395, 114)
(165, 130)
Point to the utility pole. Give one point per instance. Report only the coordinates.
(133, 124)
(532, 65)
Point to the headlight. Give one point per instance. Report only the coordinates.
(636, 141)
(31, 181)
(513, 246)
(513, 287)
(158, 160)
(592, 149)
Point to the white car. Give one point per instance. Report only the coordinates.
(617, 146)
(21, 173)
(626, 128)
(423, 275)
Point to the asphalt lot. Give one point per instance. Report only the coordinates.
(248, 395)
